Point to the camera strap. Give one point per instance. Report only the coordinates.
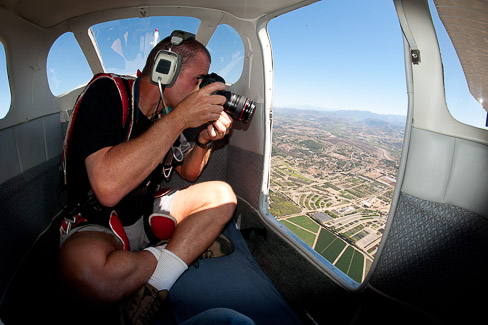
(175, 155)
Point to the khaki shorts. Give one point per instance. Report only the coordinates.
(136, 233)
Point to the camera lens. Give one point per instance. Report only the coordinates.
(240, 107)
(237, 106)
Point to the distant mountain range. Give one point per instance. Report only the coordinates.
(352, 115)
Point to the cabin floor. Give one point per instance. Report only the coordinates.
(36, 295)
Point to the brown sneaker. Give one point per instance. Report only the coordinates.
(144, 305)
(222, 246)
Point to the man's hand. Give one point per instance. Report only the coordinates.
(201, 107)
(216, 130)
(197, 158)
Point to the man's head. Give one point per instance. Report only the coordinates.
(195, 61)
(188, 50)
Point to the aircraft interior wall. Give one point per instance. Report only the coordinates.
(431, 266)
(431, 258)
(30, 143)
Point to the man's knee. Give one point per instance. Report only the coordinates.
(220, 195)
(229, 197)
(224, 193)
(205, 196)
(211, 194)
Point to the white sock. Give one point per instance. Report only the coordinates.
(168, 270)
(156, 251)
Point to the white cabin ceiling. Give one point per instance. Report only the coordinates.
(466, 21)
(48, 13)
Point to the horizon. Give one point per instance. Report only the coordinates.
(354, 57)
(323, 109)
(345, 54)
(345, 74)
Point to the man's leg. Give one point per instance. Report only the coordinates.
(201, 212)
(94, 264)
(219, 316)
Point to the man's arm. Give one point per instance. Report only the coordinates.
(197, 158)
(115, 171)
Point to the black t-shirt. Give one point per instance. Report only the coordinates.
(98, 124)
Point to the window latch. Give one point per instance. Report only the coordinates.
(414, 51)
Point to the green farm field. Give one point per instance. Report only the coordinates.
(345, 257)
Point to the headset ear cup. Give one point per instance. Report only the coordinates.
(166, 68)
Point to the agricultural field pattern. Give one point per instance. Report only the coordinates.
(332, 179)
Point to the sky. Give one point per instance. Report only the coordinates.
(347, 54)
(344, 54)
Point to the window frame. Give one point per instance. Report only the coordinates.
(313, 256)
(5, 77)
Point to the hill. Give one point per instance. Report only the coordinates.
(364, 117)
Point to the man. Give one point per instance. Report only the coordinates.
(101, 163)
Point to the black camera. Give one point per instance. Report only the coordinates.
(237, 106)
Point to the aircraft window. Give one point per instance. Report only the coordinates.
(5, 96)
(227, 52)
(339, 112)
(125, 44)
(460, 102)
(66, 65)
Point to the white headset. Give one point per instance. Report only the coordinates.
(167, 63)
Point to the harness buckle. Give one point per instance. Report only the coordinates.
(68, 224)
(167, 171)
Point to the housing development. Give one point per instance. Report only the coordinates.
(332, 180)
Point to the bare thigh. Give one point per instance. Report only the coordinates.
(201, 196)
